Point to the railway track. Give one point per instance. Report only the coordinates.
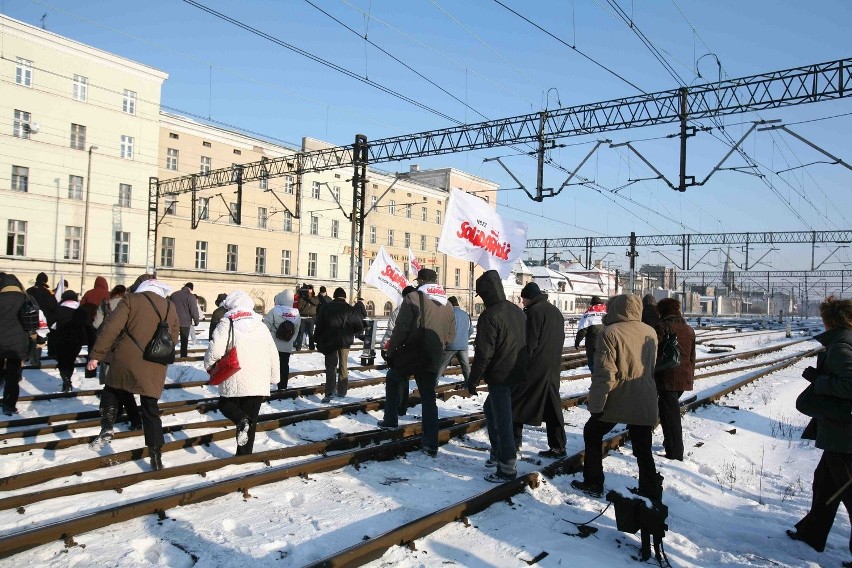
(380, 445)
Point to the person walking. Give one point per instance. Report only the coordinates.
(671, 383)
(361, 309)
(14, 339)
(459, 348)
(73, 330)
(828, 401)
(500, 358)
(649, 310)
(186, 306)
(337, 326)
(323, 297)
(424, 326)
(217, 314)
(282, 311)
(92, 299)
(589, 328)
(40, 292)
(402, 391)
(537, 399)
(622, 391)
(126, 333)
(241, 395)
(307, 305)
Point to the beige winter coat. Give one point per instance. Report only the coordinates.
(623, 385)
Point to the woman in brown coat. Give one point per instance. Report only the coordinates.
(138, 316)
(672, 382)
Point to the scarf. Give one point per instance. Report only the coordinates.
(435, 292)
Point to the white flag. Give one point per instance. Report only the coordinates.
(474, 231)
(385, 275)
(414, 265)
(60, 288)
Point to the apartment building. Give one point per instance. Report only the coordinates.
(80, 133)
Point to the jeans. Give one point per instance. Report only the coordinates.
(305, 328)
(284, 369)
(337, 361)
(640, 437)
(426, 382)
(238, 407)
(152, 426)
(11, 382)
(668, 403)
(184, 340)
(464, 362)
(498, 420)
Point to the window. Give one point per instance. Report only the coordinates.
(201, 255)
(288, 184)
(408, 211)
(174, 136)
(371, 308)
(21, 126)
(332, 266)
(423, 214)
(24, 72)
(203, 209)
(458, 278)
(388, 309)
(124, 193)
(167, 252)
(438, 272)
(20, 178)
(238, 152)
(233, 211)
(372, 234)
(335, 229)
(261, 217)
(81, 88)
(315, 189)
(264, 180)
(122, 248)
(374, 200)
(422, 242)
(128, 103)
(16, 238)
(285, 262)
(314, 225)
(438, 216)
(436, 242)
(75, 187)
(312, 264)
(390, 237)
(231, 258)
(127, 147)
(172, 159)
(78, 136)
(335, 191)
(73, 240)
(207, 144)
(206, 164)
(392, 207)
(288, 221)
(407, 240)
(171, 207)
(260, 260)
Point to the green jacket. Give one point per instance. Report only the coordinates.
(834, 366)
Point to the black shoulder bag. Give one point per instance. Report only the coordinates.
(161, 348)
(669, 357)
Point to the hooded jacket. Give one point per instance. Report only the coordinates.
(281, 311)
(500, 354)
(834, 366)
(337, 325)
(14, 340)
(92, 299)
(623, 381)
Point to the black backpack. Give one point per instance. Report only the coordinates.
(161, 348)
(28, 314)
(285, 331)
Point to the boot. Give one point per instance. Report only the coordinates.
(107, 423)
(66, 384)
(282, 385)
(342, 385)
(651, 487)
(156, 455)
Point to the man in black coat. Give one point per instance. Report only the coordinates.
(46, 301)
(336, 327)
(14, 339)
(537, 400)
(500, 357)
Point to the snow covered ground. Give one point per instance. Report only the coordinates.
(746, 479)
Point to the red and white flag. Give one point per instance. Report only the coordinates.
(385, 275)
(474, 231)
(414, 265)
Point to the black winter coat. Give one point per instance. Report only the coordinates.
(46, 301)
(681, 377)
(336, 326)
(834, 366)
(545, 335)
(500, 354)
(73, 331)
(14, 340)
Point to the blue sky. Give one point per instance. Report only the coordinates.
(501, 66)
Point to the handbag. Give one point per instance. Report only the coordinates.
(28, 314)
(161, 348)
(229, 364)
(815, 405)
(411, 355)
(669, 357)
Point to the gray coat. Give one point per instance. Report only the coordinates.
(186, 306)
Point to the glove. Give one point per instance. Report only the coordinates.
(596, 415)
(471, 388)
(810, 374)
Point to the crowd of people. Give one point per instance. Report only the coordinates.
(517, 353)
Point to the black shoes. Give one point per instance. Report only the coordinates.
(156, 455)
(243, 432)
(385, 426)
(590, 489)
(66, 384)
(796, 535)
(431, 452)
(551, 453)
(9, 411)
(500, 477)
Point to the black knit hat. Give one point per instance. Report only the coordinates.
(530, 291)
(41, 278)
(595, 301)
(339, 293)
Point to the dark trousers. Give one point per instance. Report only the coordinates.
(554, 423)
(284, 369)
(640, 438)
(66, 356)
(152, 426)
(11, 374)
(426, 382)
(305, 328)
(184, 340)
(670, 422)
(121, 399)
(498, 421)
(336, 362)
(832, 472)
(238, 407)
